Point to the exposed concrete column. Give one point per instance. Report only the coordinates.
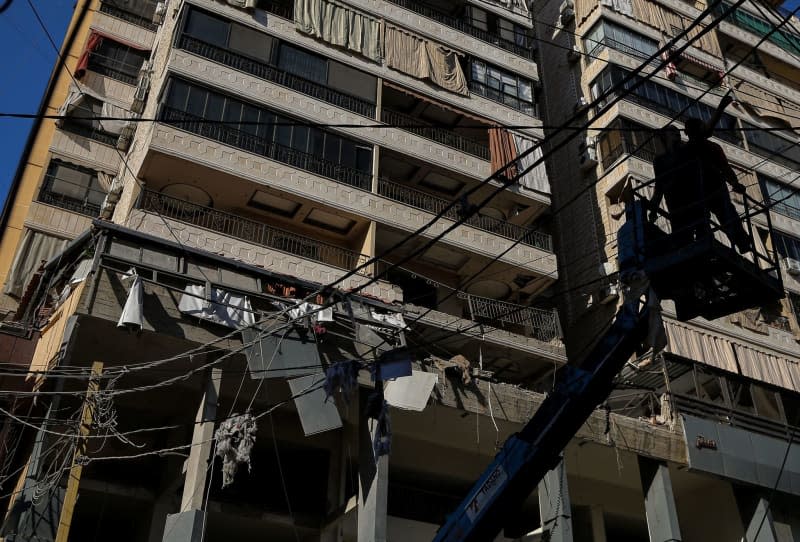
(659, 501)
(598, 523)
(373, 480)
(555, 508)
(767, 532)
(187, 525)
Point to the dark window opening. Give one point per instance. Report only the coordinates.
(72, 187)
(117, 61)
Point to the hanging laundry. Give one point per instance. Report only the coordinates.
(131, 316)
(220, 307)
(235, 439)
(342, 377)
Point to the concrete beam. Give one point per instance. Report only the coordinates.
(760, 528)
(197, 464)
(373, 481)
(659, 502)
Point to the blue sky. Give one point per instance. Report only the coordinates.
(26, 58)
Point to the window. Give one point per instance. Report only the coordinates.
(784, 199)
(627, 137)
(83, 121)
(257, 129)
(249, 50)
(495, 25)
(72, 187)
(773, 146)
(502, 86)
(788, 247)
(782, 38)
(608, 34)
(117, 61)
(664, 100)
(138, 12)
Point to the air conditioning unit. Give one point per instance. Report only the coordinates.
(160, 11)
(126, 136)
(792, 266)
(609, 294)
(566, 12)
(573, 55)
(587, 154)
(142, 87)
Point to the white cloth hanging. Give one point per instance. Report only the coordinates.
(221, 307)
(132, 311)
(536, 178)
(394, 319)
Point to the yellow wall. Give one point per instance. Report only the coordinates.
(36, 160)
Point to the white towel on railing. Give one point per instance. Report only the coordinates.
(224, 308)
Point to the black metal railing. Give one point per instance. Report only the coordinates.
(265, 147)
(275, 75)
(281, 8)
(540, 324)
(113, 68)
(71, 196)
(440, 135)
(514, 102)
(609, 158)
(730, 416)
(84, 130)
(428, 202)
(249, 230)
(111, 8)
(425, 10)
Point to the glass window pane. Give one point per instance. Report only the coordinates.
(249, 119)
(197, 101)
(178, 93)
(300, 138)
(251, 42)
(207, 28)
(302, 63)
(214, 106)
(332, 148)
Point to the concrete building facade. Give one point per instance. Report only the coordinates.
(215, 162)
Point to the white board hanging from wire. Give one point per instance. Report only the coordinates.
(411, 392)
(286, 352)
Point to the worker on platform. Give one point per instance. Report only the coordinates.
(712, 173)
(675, 185)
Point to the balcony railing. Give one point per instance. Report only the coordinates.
(611, 43)
(464, 26)
(77, 128)
(87, 204)
(229, 135)
(508, 100)
(249, 230)
(642, 152)
(110, 8)
(427, 202)
(540, 324)
(113, 68)
(440, 135)
(277, 76)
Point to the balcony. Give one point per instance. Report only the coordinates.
(143, 20)
(444, 136)
(113, 68)
(265, 147)
(428, 202)
(276, 75)
(89, 132)
(250, 231)
(71, 196)
(639, 151)
(531, 322)
(459, 24)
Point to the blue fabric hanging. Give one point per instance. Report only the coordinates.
(342, 377)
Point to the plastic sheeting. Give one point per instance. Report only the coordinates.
(221, 307)
(132, 312)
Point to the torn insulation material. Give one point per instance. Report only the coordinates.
(235, 439)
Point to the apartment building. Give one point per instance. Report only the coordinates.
(253, 152)
(730, 382)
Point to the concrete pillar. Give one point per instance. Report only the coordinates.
(188, 524)
(659, 501)
(758, 521)
(598, 523)
(373, 481)
(555, 508)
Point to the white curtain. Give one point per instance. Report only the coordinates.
(114, 126)
(35, 248)
(339, 25)
(221, 307)
(535, 179)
